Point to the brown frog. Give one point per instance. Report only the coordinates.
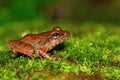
(39, 44)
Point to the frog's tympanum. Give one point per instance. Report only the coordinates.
(39, 44)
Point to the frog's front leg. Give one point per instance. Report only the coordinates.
(46, 55)
(21, 47)
(43, 53)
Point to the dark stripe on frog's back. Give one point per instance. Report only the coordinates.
(34, 38)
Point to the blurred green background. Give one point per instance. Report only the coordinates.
(60, 10)
(94, 45)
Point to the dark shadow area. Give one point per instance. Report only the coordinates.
(57, 48)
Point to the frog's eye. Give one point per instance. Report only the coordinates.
(56, 35)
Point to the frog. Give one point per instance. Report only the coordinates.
(39, 45)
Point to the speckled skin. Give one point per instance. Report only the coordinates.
(39, 44)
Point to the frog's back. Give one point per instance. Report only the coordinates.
(33, 38)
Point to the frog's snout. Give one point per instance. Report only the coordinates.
(67, 34)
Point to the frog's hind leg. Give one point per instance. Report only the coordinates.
(21, 47)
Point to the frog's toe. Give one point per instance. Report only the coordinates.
(55, 58)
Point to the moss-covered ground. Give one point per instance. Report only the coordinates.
(91, 53)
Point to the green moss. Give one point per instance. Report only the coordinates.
(89, 49)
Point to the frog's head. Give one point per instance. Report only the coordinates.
(59, 35)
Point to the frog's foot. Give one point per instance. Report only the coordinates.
(56, 58)
(21, 47)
